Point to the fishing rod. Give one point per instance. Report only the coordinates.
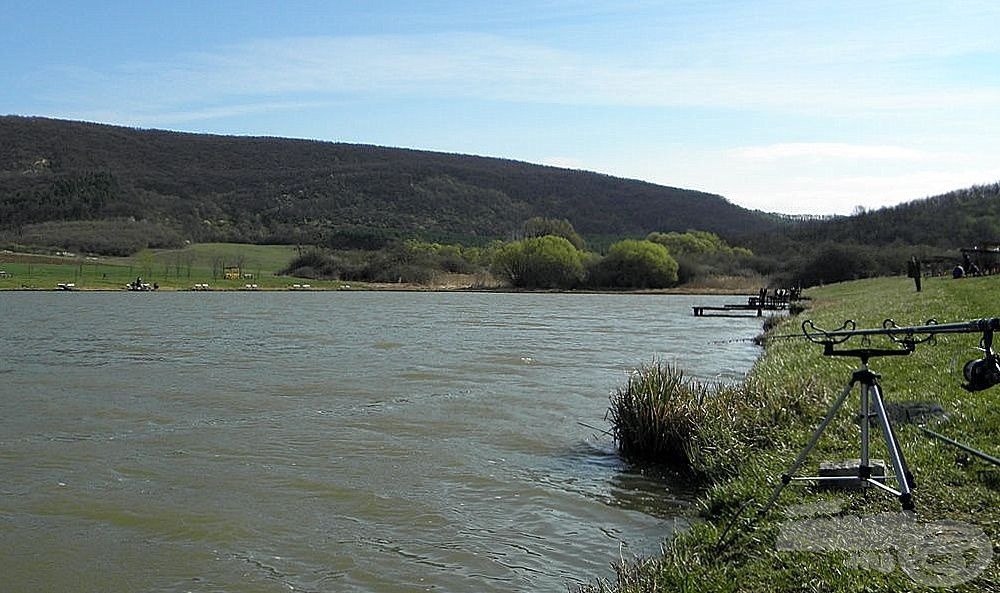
(981, 373)
(899, 333)
(963, 447)
(889, 328)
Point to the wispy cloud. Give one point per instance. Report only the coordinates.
(497, 68)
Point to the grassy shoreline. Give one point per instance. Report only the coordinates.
(951, 487)
(203, 264)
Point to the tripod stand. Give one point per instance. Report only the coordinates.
(872, 407)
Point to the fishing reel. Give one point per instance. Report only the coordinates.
(980, 373)
(984, 372)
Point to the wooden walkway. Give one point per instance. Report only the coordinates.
(779, 300)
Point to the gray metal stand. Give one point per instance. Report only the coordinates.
(872, 406)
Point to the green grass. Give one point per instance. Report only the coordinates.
(176, 269)
(799, 379)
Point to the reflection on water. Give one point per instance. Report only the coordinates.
(332, 441)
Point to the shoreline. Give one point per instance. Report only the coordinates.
(731, 543)
(681, 290)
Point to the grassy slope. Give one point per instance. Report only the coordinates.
(947, 487)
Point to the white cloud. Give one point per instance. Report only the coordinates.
(504, 68)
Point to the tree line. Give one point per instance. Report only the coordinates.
(108, 190)
(549, 254)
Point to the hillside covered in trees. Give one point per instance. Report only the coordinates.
(879, 242)
(386, 213)
(87, 182)
(960, 218)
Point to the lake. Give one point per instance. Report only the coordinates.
(333, 441)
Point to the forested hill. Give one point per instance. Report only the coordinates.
(204, 187)
(961, 218)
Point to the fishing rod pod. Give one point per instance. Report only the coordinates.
(981, 373)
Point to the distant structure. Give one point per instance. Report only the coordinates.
(982, 259)
(777, 300)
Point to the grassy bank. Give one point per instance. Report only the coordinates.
(206, 263)
(175, 269)
(859, 543)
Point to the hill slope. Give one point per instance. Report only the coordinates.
(960, 218)
(204, 188)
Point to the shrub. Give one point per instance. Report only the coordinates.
(636, 264)
(315, 265)
(540, 262)
(557, 227)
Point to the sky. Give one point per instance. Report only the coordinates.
(797, 107)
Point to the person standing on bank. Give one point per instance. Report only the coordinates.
(913, 271)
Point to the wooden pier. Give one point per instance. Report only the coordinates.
(778, 300)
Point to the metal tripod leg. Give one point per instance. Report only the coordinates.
(871, 396)
(801, 459)
(903, 476)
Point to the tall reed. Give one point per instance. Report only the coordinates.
(706, 430)
(657, 413)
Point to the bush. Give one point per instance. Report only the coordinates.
(540, 262)
(636, 264)
(411, 262)
(688, 269)
(314, 265)
(557, 227)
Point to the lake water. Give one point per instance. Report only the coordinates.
(332, 441)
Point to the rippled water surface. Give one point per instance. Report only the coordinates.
(331, 441)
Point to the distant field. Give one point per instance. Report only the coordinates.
(268, 259)
(175, 269)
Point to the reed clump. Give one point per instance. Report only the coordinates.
(661, 415)
(656, 414)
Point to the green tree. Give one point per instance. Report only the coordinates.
(836, 263)
(636, 264)
(691, 242)
(539, 262)
(557, 227)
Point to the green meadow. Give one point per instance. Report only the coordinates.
(174, 269)
(864, 543)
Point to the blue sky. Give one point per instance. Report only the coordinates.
(794, 107)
